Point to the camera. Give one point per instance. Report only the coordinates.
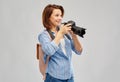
(76, 29)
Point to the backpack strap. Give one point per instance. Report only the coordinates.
(51, 34)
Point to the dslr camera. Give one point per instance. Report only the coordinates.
(76, 29)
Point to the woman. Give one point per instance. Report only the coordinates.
(57, 45)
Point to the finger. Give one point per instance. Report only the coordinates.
(68, 25)
(61, 25)
(71, 32)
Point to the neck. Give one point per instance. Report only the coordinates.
(54, 29)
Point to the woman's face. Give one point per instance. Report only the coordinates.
(56, 17)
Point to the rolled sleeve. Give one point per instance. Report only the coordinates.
(77, 52)
(49, 47)
(55, 46)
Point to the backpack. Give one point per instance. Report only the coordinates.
(40, 57)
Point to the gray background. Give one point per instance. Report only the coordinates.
(20, 24)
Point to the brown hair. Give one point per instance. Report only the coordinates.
(47, 13)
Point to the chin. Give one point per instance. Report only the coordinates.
(58, 24)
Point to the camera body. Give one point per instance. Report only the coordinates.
(77, 30)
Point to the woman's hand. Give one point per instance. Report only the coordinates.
(64, 29)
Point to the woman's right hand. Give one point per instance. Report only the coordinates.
(64, 29)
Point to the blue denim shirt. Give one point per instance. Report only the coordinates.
(60, 65)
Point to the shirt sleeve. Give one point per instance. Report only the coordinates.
(49, 47)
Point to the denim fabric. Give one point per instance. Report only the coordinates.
(49, 78)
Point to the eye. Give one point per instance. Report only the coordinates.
(57, 15)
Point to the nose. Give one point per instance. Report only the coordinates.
(60, 18)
